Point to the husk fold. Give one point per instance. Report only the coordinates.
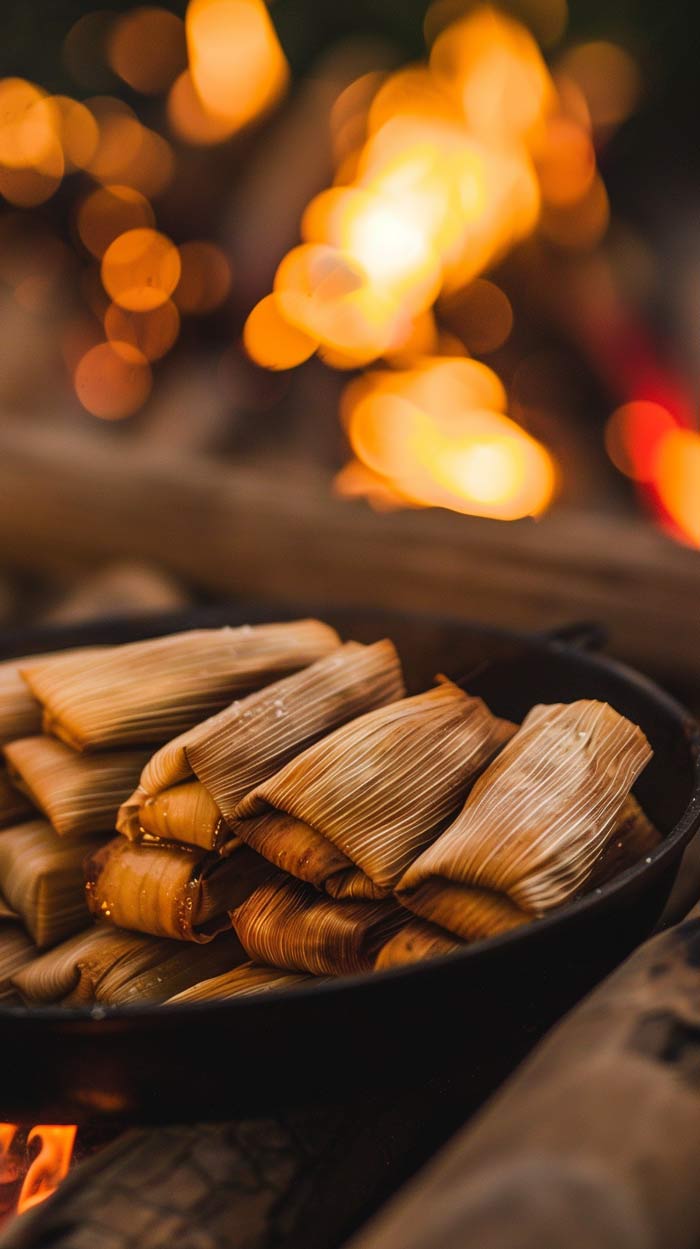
(414, 943)
(248, 978)
(193, 784)
(16, 950)
(41, 877)
(169, 891)
(534, 823)
(78, 794)
(20, 712)
(107, 965)
(350, 813)
(288, 924)
(144, 693)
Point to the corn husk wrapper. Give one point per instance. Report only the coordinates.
(192, 785)
(350, 813)
(14, 807)
(20, 713)
(632, 839)
(144, 693)
(288, 924)
(169, 891)
(248, 978)
(78, 794)
(535, 822)
(16, 951)
(415, 942)
(41, 878)
(109, 966)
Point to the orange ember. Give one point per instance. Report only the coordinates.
(49, 1166)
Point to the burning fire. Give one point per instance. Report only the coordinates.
(43, 1172)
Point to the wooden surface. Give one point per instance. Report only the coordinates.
(280, 535)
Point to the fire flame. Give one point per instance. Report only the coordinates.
(50, 1165)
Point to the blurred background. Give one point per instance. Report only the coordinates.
(371, 301)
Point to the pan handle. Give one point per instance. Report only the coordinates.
(583, 635)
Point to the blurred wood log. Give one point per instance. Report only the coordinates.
(593, 1144)
(279, 534)
(122, 588)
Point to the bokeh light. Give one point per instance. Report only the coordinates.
(146, 47)
(633, 436)
(205, 277)
(677, 480)
(141, 269)
(271, 341)
(608, 77)
(152, 333)
(106, 212)
(111, 383)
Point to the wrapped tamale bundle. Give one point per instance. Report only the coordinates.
(534, 823)
(192, 785)
(14, 807)
(41, 877)
(415, 942)
(248, 978)
(169, 891)
(632, 839)
(79, 794)
(20, 713)
(109, 966)
(16, 950)
(350, 813)
(288, 924)
(144, 693)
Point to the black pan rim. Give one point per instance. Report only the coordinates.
(97, 1019)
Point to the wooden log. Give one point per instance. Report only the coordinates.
(594, 1143)
(279, 534)
(122, 588)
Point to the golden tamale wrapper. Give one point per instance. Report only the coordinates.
(14, 807)
(112, 967)
(41, 877)
(144, 693)
(536, 820)
(349, 814)
(17, 950)
(193, 784)
(79, 794)
(415, 942)
(633, 838)
(286, 923)
(169, 891)
(243, 980)
(20, 712)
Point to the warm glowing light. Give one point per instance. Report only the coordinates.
(141, 269)
(481, 314)
(565, 161)
(271, 341)
(27, 136)
(189, 119)
(84, 50)
(677, 480)
(579, 226)
(50, 1166)
(120, 137)
(633, 436)
(75, 128)
(146, 48)
(109, 211)
(111, 385)
(205, 277)
(608, 77)
(152, 333)
(237, 65)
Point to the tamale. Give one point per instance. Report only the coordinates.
(288, 924)
(350, 813)
(78, 794)
(16, 950)
(169, 891)
(20, 713)
(14, 807)
(144, 693)
(534, 823)
(248, 978)
(192, 785)
(109, 966)
(415, 942)
(633, 838)
(41, 877)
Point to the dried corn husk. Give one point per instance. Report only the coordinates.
(144, 693)
(535, 822)
(14, 807)
(41, 877)
(633, 838)
(248, 978)
(20, 713)
(169, 891)
(113, 967)
(233, 751)
(415, 942)
(288, 924)
(16, 950)
(78, 794)
(350, 813)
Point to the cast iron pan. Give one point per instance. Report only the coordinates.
(470, 1016)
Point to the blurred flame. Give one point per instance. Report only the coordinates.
(112, 380)
(50, 1166)
(146, 47)
(141, 269)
